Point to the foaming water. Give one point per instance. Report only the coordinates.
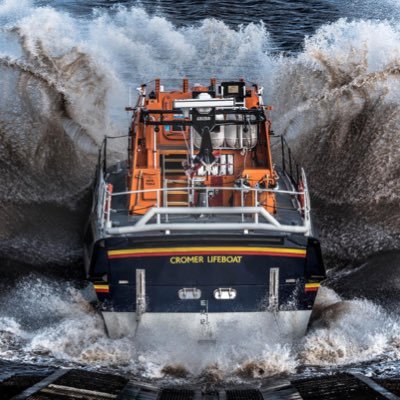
(45, 321)
(53, 323)
(349, 331)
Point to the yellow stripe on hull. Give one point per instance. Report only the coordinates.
(199, 250)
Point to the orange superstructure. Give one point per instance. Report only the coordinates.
(175, 147)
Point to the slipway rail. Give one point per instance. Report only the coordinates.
(44, 383)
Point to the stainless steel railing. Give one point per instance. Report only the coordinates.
(157, 216)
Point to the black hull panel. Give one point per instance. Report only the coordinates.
(180, 263)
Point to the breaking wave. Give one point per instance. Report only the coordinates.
(349, 331)
(338, 101)
(65, 80)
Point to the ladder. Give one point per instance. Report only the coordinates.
(174, 181)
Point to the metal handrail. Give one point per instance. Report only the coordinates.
(286, 161)
(209, 188)
(307, 202)
(142, 224)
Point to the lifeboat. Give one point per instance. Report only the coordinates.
(198, 229)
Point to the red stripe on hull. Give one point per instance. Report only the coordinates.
(208, 253)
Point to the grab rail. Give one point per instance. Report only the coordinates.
(141, 224)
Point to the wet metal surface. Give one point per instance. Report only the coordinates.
(86, 385)
(341, 386)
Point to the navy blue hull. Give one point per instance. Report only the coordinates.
(193, 263)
